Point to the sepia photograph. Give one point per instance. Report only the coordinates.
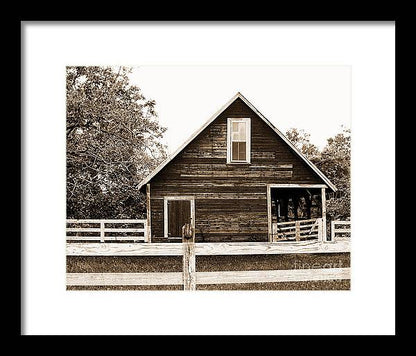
(208, 177)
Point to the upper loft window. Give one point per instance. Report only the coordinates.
(238, 140)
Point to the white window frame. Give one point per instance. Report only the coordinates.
(247, 120)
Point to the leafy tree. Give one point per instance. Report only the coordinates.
(113, 140)
(302, 142)
(334, 162)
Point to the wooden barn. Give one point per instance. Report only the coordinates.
(237, 178)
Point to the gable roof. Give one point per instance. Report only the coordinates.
(212, 118)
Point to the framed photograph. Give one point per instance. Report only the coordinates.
(196, 168)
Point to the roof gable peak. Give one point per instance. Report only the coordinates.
(213, 117)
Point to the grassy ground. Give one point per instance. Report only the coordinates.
(316, 285)
(108, 264)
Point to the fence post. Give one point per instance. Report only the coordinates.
(188, 242)
(102, 231)
(332, 231)
(297, 230)
(146, 231)
(320, 232)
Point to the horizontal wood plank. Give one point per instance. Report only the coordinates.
(342, 231)
(124, 249)
(292, 237)
(298, 275)
(301, 185)
(122, 230)
(205, 249)
(110, 221)
(253, 248)
(294, 227)
(227, 277)
(83, 238)
(83, 221)
(82, 229)
(123, 279)
(106, 238)
(342, 238)
(293, 222)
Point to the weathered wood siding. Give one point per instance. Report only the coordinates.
(230, 199)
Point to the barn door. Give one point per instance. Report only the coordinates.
(179, 213)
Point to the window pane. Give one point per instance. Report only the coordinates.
(238, 131)
(235, 127)
(234, 151)
(242, 130)
(238, 151)
(241, 151)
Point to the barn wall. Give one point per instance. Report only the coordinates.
(230, 199)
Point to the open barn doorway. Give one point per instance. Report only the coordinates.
(295, 212)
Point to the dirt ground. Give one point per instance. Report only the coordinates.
(108, 264)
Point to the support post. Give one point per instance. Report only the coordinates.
(323, 197)
(295, 206)
(189, 275)
(148, 232)
(269, 214)
(308, 199)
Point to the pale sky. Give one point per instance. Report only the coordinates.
(314, 98)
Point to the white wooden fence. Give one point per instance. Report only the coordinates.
(190, 278)
(99, 230)
(298, 230)
(340, 230)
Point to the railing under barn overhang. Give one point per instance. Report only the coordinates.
(299, 230)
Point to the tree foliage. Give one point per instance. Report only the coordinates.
(113, 140)
(302, 142)
(334, 161)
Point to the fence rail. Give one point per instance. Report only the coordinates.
(340, 233)
(97, 230)
(205, 249)
(224, 277)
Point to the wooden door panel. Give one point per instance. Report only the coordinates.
(179, 213)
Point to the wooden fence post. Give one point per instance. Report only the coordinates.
(297, 230)
(332, 231)
(189, 275)
(274, 233)
(102, 231)
(320, 234)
